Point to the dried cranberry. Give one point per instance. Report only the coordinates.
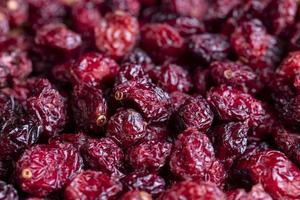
(290, 112)
(209, 47)
(171, 78)
(136, 195)
(17, 10)
(7, 191)
(162, 41)
(4, 24)
(93, 69)
(126, 127)
(156, 132)
(257, 192)
(132, 71)
(92, 185)
(201, 81)
(178, 99)
(117, 34)
(192, 155)
(290, 67)
(151, 155)
(77, 140)
(138, 56)
(130, 6)
(148, 182)
(43, 169)
(193, 190)
(220, 9)
(217, 174)
(89, 108)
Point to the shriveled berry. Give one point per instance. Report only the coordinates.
(8, 192)
(178, 99)
(156, 132)
(193, 190)
(130, 6)
(151, 155)
(290, 66)
(290, 112)
(162, 41)
(136, 195)
(153, 102)
(192, 155)
(132, 71)
(194, 112)
(117, 34)
(43, 169)
(77, 140)
(171, 77)
(217, 174)
(201, 81)
(138, 56)
(92, 185)
(93, 69)
(148, 182)
(126, 127)
(89, 108)
(257, 192)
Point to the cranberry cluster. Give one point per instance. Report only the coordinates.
(149, 99)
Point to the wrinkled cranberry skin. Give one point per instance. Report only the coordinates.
(47, 175)
(161, 41)
(8, 192)
(17, 11)
(278, 175)
(126, 127)
(201, 81)
(138, 56)
(257, 192)
(156, 132)
(236, 75)
(58, 37)
(178, 99)
(195, 112)
(193, 190)
(93, 69)
(217, 174)
(89, 108)
(254, 45)
(148, 182)
(131, 71)
(92, 185)
(77, 140)
(102, 154)
(151, 155)
(172, 77)
(153, 102)
(209, 47)
(136, 195)
(290, 112)
(130, 6)
(48, 107)
(191, 8)
(231, 139)
(117, 34)
(192, 155)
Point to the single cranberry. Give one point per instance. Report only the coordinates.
(131, 6)
(117, 34)
(126, 127)
(8, 191)
(193, 190)
(89, 108)
(92, 185)
(136, 195)
(132, 71)
(43, 169)
(257, 192)
(162, 41)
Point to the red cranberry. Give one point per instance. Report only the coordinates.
(257, 192)
(290, 66)
(192, 155)
(43, 169)
(201, 81)
(156, 132)
(130, 6)
(89, 108)
(117, 34)
(162, 41)
(17, 10)
(138, 56)
(151, 155)
(92, 185)
(77, 140)
(8, 192)
(217, 174)
(126, 127)
(136, 195)
(132, 71)
(193, 190)
(178, 99)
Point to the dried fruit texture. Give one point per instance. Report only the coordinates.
(209, 47)
(153, 102)
(178, 99)
(290, 112)
(281, 15)
(294, 42)
(48, 107)
(201, 81)
(17, 11)
(89, 108)
(193, 190)
(162, 42)
(138, 56)
(132, 71)
(278, 175)
(57, 36)
(156, 132)
(171, 78)
(43, 169)
(191, 8)
(8, 192)
(231, 139)
(192, 155)
(117, 34)
(194, 112)
(103, 154)
(126, 127)
(93, 69)
(217, 174)
(236, 75)
(257, 192)
(136, 195)
(92, 185)
(131, 6)
(254, 45)
(148, 182)
(4, 24)
(151, 155)
(77, 140)
(220, 9)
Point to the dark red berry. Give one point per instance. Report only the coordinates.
(17, 10)
(8, 192)
(138, 56)
(126, 127)
(92, 185)
(132, 71)
(77, 140)
(257, 192)
(217, 174)
(201, 81)
(117, 34)
(130, 6)
(136, 195)
(156, 132)
(43, 169)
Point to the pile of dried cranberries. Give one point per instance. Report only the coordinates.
(149, 99)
